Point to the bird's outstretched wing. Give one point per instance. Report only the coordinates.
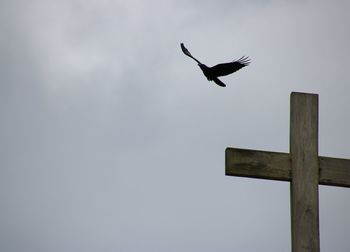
(219, 82)
(187, 52)
(231, 67)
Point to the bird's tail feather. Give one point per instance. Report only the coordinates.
(219, 82)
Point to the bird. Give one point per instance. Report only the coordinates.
(212, 73)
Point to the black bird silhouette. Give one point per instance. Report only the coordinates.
(212, 73)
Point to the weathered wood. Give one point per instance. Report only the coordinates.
(302, 167)
(277, 166)
(305, 176)
(334, 171)
(257, 164)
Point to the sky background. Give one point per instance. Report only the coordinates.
(111, 139)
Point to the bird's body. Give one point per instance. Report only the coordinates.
(212, 73)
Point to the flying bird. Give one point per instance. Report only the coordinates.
(212, 73)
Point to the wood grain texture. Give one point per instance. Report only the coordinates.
(305, 174)
(302, 167)
(334, 171)
(257, 164)
(277, 166)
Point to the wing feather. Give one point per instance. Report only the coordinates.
(187, 52)
(230, 67)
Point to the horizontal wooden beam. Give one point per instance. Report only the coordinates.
(277, 166)
(334, 171)
(257, 164)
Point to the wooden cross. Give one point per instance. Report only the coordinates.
(302, 167)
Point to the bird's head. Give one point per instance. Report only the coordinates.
(202, 66)
(206, 71)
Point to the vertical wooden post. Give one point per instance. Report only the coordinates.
(302, 167)
(305, 172)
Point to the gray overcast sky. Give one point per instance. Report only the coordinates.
(113, 140)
